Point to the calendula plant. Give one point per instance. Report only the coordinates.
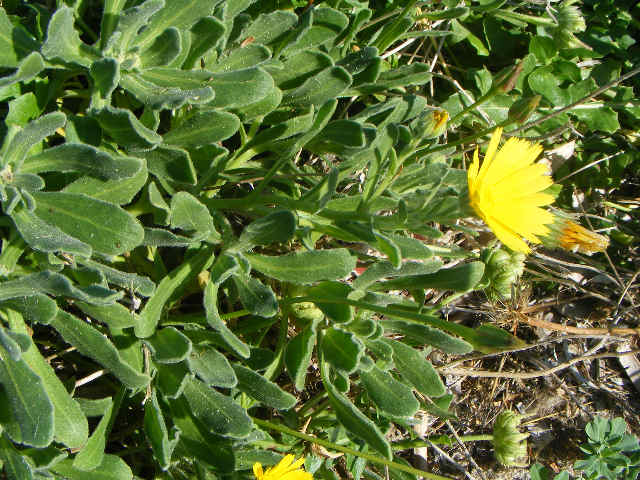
(187, 189)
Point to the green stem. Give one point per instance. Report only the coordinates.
(339, 448)
(521, 17)
(384, 42)
(275, 366)
(407, 444)
(313, 401)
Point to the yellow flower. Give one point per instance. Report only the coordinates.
(506, 191)
(571, 236)
(287, 469)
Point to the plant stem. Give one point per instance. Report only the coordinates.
(339, 448)
(521, 17)
(406, 444)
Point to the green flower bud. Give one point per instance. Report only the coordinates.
(523, 108)
(502, 269)
(430, 124)
(570, 21)
(509, 444)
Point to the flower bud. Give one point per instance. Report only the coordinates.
(509, 444)
(570, 21)
(566, 234)
(430, 124)
(506, 80)
(523, 108)
(502, 269)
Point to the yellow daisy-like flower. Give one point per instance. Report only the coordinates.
(286, 469)
(506, 191)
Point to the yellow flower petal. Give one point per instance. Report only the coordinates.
(286, 469)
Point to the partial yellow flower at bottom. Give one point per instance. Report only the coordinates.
(507, 191)
(286, 469)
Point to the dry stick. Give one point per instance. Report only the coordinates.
(596, 92)
(626, 289)
(466, 450)
(528, 375)
(579, 330)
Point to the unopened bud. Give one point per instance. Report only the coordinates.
(502, 269)
(566, 234)
(523, 108)
(430, 124)
(505, 81)
(509, 444)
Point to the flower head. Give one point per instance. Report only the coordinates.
(509, 444)
(567, 234)
(286, 469)
(507, 191)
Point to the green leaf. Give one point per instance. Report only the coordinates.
(70, 424)
(125, 129)
(187, 213)
(106, 76)
(181, 14)
(131, 281)
(164, 49)
(83, 158)
(63, 42)
(271, 27)
(426, 335)
(168, 345)
(301, 66)
(203, 128)
(392, 397)
(27, 409)
(28, 68)
(460, 278)
(337, 312)
(414, 74)
(171, 284)
(256, 297)
(32, 134)
(155, 428)
(129, 22)
(15, 42)
(205, 34)
(166, 95)
(543, 48)
(16, 466)
(341, 349)
(385, 270)
(324, 86)
(91, 343)
(172, 378)
(240, 88)
(57, 285)
(22, 110)
(172, 164)
(218, 412)
(212, 367)
(111, 468)
(241, 58)
(601, 118)
(115, 316)
(306, 267)
(354, 420)
(297, 356)
(215, 322)
(118, 192)
(277, 227)
(263, 390)
(44, 237)
(106, 227)
(416, 370)
(35, 308)
(92, 455)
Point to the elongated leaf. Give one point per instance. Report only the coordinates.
(111, 468)
(460, 278)
(172, 378)
(91, 343)
(15, 42)
(16, 466)
(106, 76)
(104, 226)
(82, 158)
(159, 97)
(130, 21)
(218, 412)
(255, 296)
(57, 285)
(212, 367)
(277, 227)
(164, 49)
(32, 134)
(132, 281)
(171, 164)
(29, 67)
(115, 316)
(204, 36)
(35, 308)
(177, 279)
(429, 336)
(341, 349)
(63, 42)
(324, 86)
(215, 322)
(414, 74)
(45, 237)
(26, 402)
(241, 87)
(168, 345)
(336, 311)
(354, 420)
(261, 389)
(297, 356)
(241, 58)
(203, 128)
(70, 424)
(181, 14)
(187, 213)
(92, 455)
(385, 269)
(306, 267)
(118, 192)
(155, 428)
(126, 129)
(416, 370)
(391, 396)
